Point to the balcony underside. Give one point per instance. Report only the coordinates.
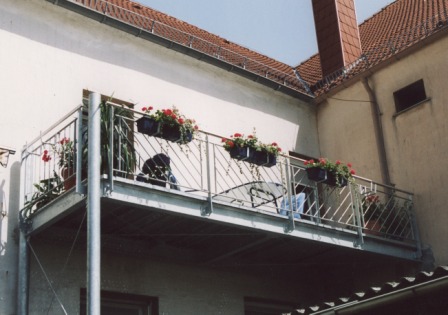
(139, 219)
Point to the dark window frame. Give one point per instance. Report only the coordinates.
(410, 96)
(148, 304)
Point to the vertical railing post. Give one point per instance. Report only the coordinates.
(94, 207)
(356, 201)
(290, 225)
(414, 226)
(79, 153)
(111, 148)
(208, 208)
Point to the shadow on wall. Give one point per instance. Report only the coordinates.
(9, 209)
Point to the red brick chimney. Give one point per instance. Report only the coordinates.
(337, 33)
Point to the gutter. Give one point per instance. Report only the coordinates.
(103, 18)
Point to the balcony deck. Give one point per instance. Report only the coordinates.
(208, 221)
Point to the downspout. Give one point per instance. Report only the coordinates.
(379, 134)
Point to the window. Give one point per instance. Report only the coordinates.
(409, 96)
(257, 306)
(114, 303)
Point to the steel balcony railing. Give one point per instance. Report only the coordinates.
(203, 167)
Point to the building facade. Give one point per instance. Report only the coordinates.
(220, 244)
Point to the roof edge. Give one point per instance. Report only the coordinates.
(241, 70)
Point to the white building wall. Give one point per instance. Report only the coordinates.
(49, 55)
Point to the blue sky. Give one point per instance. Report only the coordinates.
(281, 29)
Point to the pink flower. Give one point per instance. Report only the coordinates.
(144, 109)
(338, 162)
(237, 135)
(352, 172)
(250, 137)
(274, 144)
(196, 127)
(349, 164)
(180, 121)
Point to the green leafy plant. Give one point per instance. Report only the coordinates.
(122, 149)
(46, 191)
(251, 141)
(338, 169)
(173, 118)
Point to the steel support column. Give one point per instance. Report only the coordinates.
(94, 207)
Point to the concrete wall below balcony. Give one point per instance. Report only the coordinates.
(181, 289)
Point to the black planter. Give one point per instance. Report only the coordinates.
(153, 128)
(148, 126)
(173, 133)
(332, 180)
(263, 158)
(241, 153)
(316, 174)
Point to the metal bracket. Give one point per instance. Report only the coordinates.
(25, 224)
(290, 226)
(207, 208)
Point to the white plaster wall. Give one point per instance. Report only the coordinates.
(415, 140)
(49, 55)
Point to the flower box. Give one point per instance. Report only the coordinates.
(148, 126)
(332, 180)
(250, 150)
(316, 174)
(263, 158)
(167, 124)
(241, 153)
(174, 134)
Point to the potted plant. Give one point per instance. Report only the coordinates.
(333, 174)
(64, 149)
(123, 158)
(372, 211)
(249, 149)
(168, 124)
(46, 191)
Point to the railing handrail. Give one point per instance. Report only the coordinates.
(53, 126)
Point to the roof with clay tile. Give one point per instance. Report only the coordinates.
(396, 27)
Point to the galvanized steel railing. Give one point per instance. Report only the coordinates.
(203, 167)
